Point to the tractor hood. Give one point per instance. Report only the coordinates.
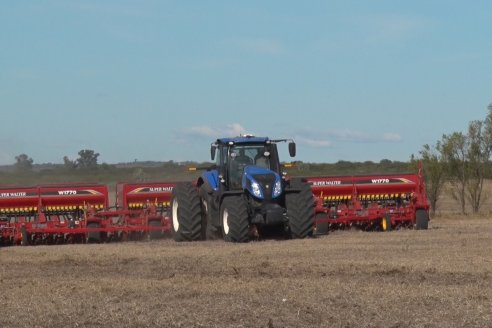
(262, 183)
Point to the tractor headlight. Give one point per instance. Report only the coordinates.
(277, 189)
(256, 189)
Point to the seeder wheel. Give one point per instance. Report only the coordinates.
(421, 220)
(386, 223)
(93, 237)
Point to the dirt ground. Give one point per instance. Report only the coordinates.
(441, 277)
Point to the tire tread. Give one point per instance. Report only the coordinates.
(300, 209)
(238, 219)
(189, 212)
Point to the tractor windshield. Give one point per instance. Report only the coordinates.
(242, 155)
(251, 155)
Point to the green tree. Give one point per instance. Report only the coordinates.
(434, 172)
(454, 149)
(487, 130)
(478, 156)
(23, 162)
(87, 159)
(68, 163)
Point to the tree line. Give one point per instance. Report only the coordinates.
(87, 159)
(461, 160)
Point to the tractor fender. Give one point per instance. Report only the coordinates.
(208, 197)
(210, 178)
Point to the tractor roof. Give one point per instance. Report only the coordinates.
(243, 139)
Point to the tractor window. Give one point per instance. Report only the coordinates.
(218, 156)
(242, 155)
(251, 155)
(262, 158)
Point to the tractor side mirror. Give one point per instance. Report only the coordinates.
(292, 149)
(212, 152)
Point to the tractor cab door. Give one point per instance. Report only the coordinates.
(229, 168)
(238, 160)
(221, 163)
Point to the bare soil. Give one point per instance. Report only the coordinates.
(441, 277)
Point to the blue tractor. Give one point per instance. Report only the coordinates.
(243, 196)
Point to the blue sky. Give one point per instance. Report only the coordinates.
(160, 80)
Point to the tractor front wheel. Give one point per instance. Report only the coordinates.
(186, 213)
(234, 218)
(300, 210)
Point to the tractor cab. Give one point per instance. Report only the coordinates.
(244, 156)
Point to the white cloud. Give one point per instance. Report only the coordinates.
(333, 134)
(315, 143)
(391, 136)
(329, 137)
(348, 135)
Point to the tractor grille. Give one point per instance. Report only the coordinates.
(267, 181)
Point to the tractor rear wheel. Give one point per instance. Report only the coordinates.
(235, 220)
(209, 230)
(421, 220)
(300, 210)
(186, 213)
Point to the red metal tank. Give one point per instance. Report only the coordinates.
(66, 197)
(139, 195)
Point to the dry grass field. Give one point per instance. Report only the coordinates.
(441, 277)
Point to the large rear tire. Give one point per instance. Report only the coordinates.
(421, 220)
(186, 213)
(300, 210)
(235, 220)
(209, 230)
